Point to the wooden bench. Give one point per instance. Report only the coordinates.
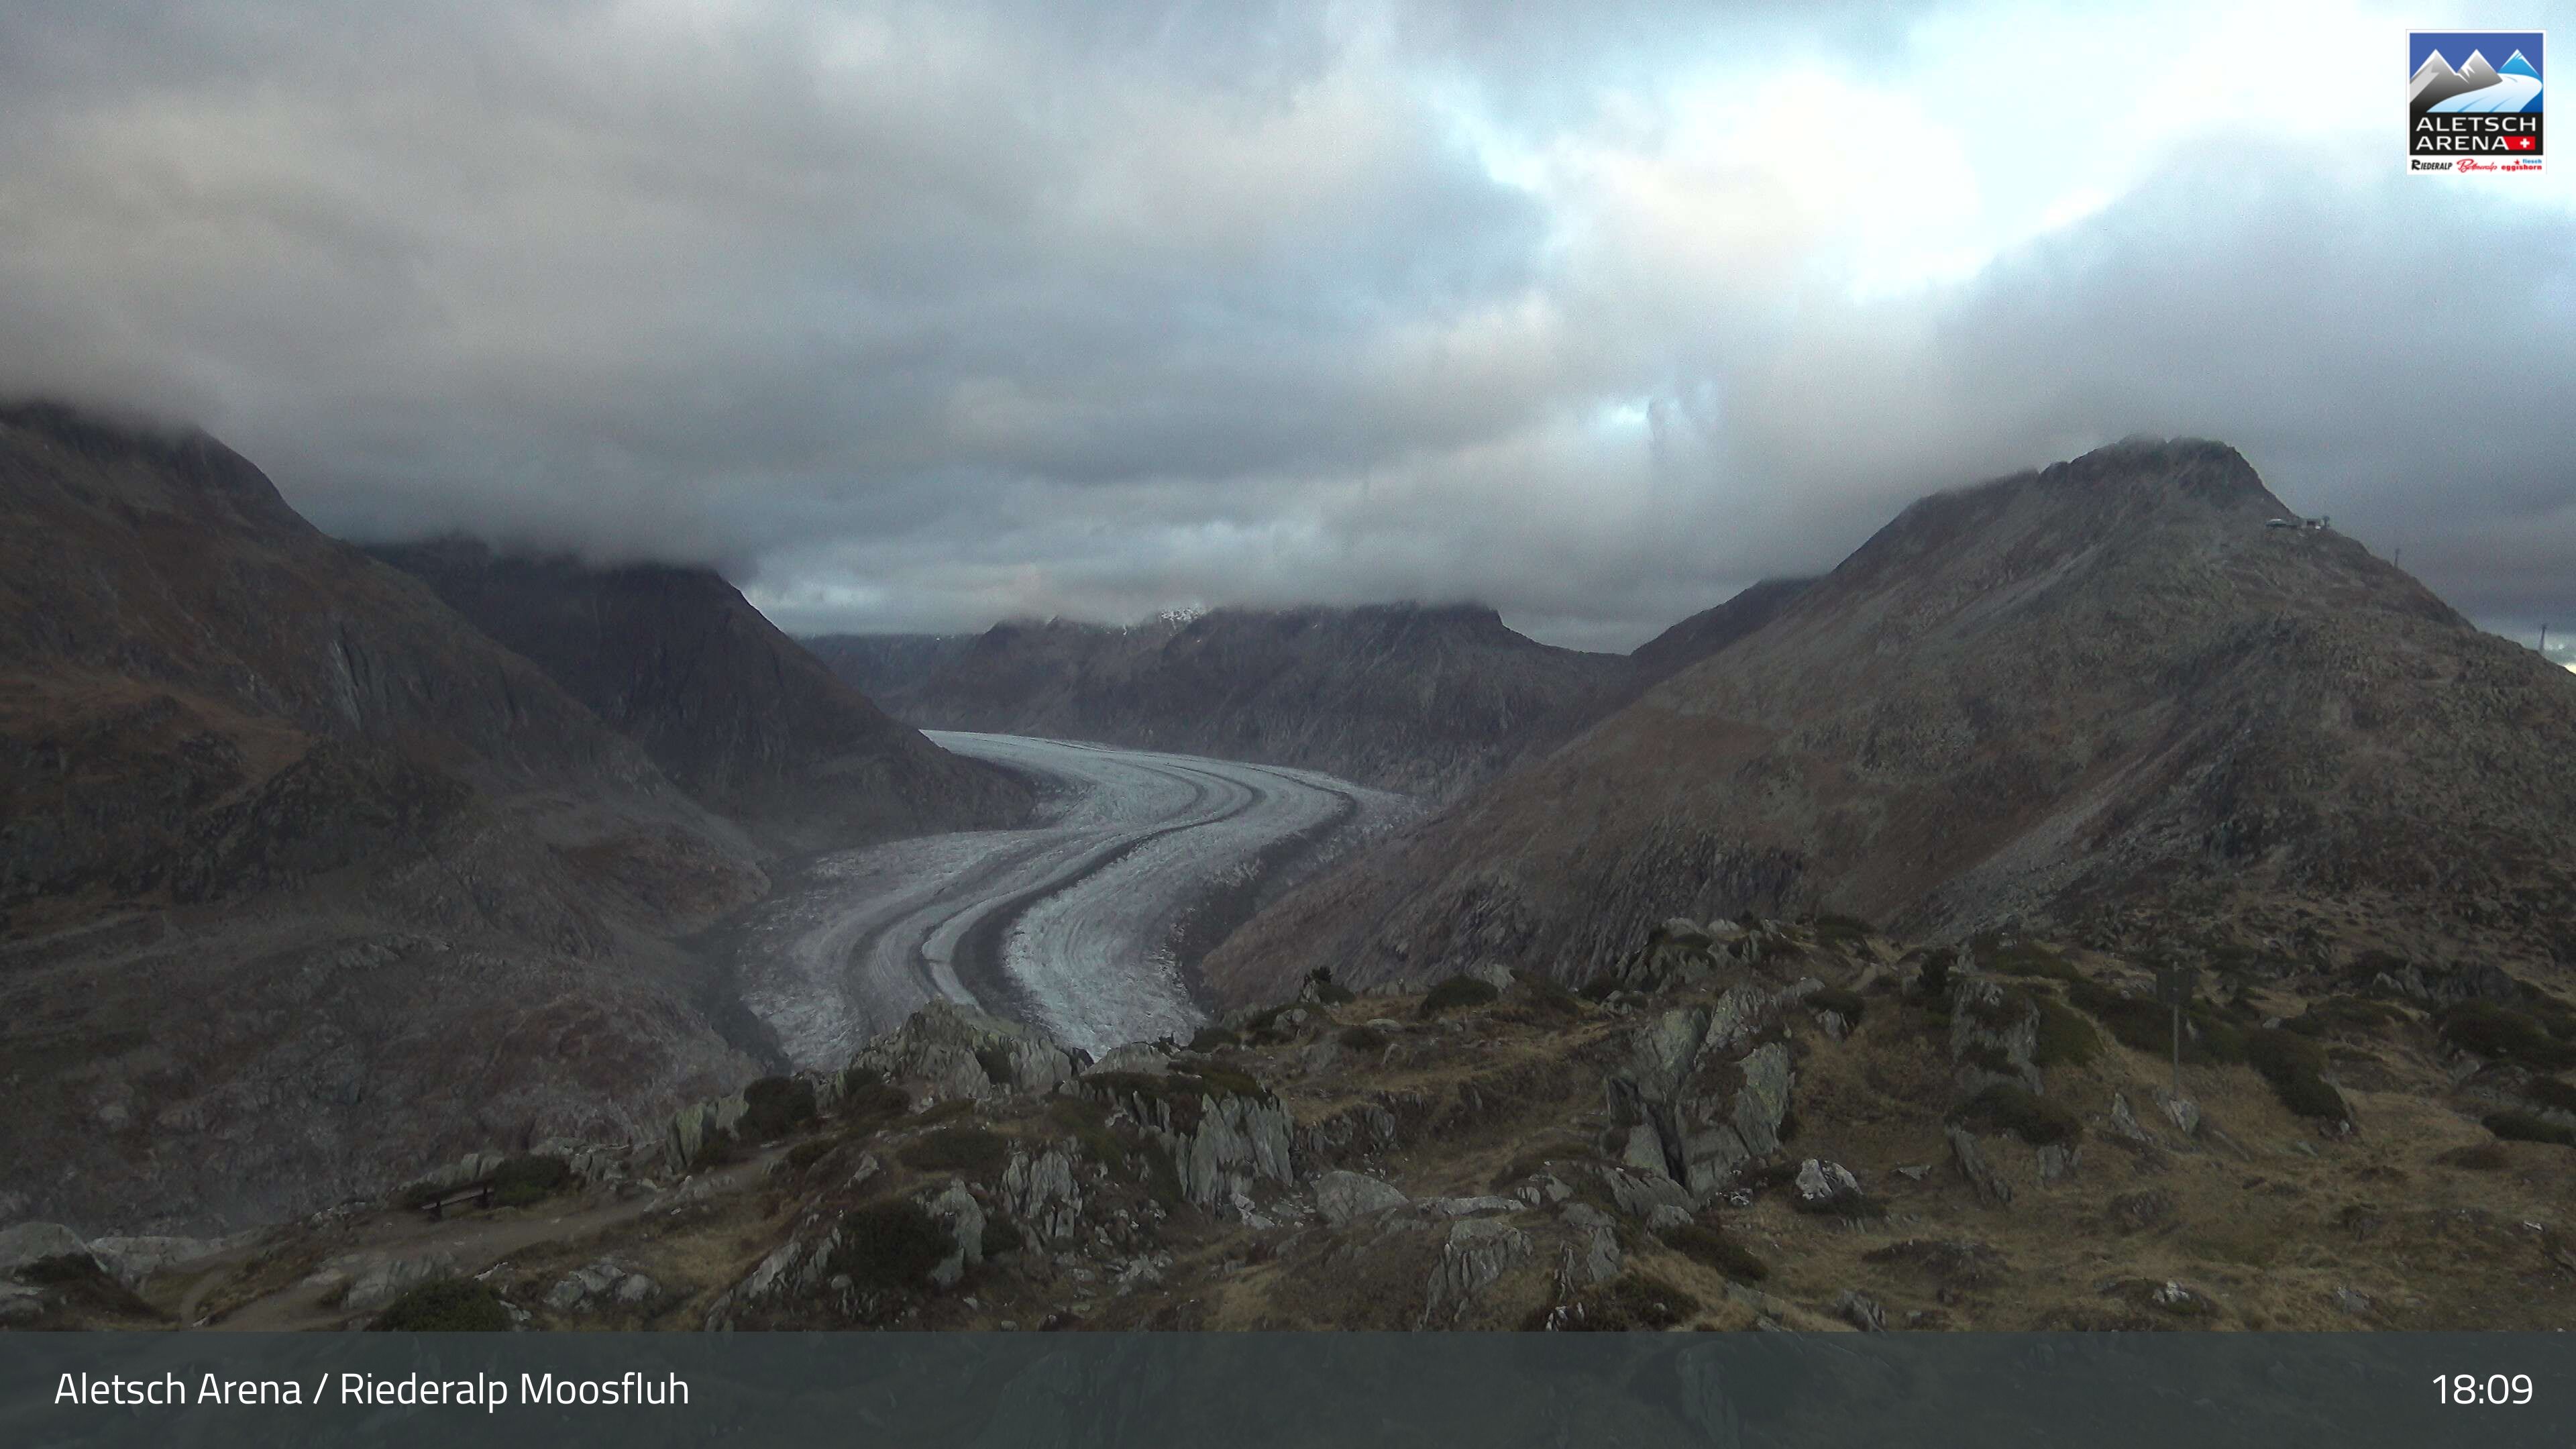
(477, 1193)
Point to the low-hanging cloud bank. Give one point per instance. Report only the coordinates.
(919, 316)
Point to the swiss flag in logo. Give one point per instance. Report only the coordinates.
(2520, 143)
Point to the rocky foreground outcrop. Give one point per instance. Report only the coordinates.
(1744, 1123)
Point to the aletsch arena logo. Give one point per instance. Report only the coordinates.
(2473, 100)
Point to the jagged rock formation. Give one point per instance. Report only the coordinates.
(1453, 1169)
(2102, 694)
(289, 852)
(734, 711)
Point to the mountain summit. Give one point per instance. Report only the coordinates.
(2102, 693)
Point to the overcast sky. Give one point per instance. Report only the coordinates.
(920, 316)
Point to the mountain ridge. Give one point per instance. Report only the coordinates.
(731, 708)
(2092, 692)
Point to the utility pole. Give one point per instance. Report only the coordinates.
(2544, 638)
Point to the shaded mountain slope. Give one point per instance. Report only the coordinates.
(1713, 629)
(733, 710)
(2103, 693)
(884, 667)
(291, 854)
(1405, 697)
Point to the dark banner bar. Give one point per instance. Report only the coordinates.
(1050, 1391)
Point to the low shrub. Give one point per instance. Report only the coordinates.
(802, 1157)
(1327, 990)
(60, 1268)
(2484, 1157)
(1455, 993)
(1534, 1161)
(1840, 1000)
(774, 1107)
(958, 1149)
(1001, 1235)
(890, 1244)
(2344, 1014)
(1840, 930)
(1987, 1057)
(445, 1305)
(1629, 1303)
(1933, 980)
(996, 1062)
(1088, 1124)
(2066, 1038)
(2530, 1127)
(2503, 1034)
(2034, 1119)
(526, 1180)
(1363, 1039)
(871, 1100)
(1213, 1038)
(2291, 1063)
(2026, 959)
(2145, 1025)
(2551, 1092)
(1711, 1248)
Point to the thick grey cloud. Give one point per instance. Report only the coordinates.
(915, 316)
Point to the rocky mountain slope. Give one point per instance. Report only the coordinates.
(731, 709)
(289, 852)
(1404, 697)
(886, 667)
(1710, 630)
(2104, 694)
(1739, 1124)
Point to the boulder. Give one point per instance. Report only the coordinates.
(1470, 1207)
(1222, 1142)
(1493, 973)
(1685, 1093)
(1478, 1253)
(955, 1209)
(694, 1127)
(1594, 1256)
(945, 1051)
(1342, 1196)
(2183, 1112)
(1825, 1186)
(1990, 1186)
(598, 1285)
(1638, 1194)
(132, 1260)
(376, 1279)
(1041, 1194)
(1994, 1035)
(2124, 1122)
(1861, 1311)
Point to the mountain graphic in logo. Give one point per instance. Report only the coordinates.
(2475, 87)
